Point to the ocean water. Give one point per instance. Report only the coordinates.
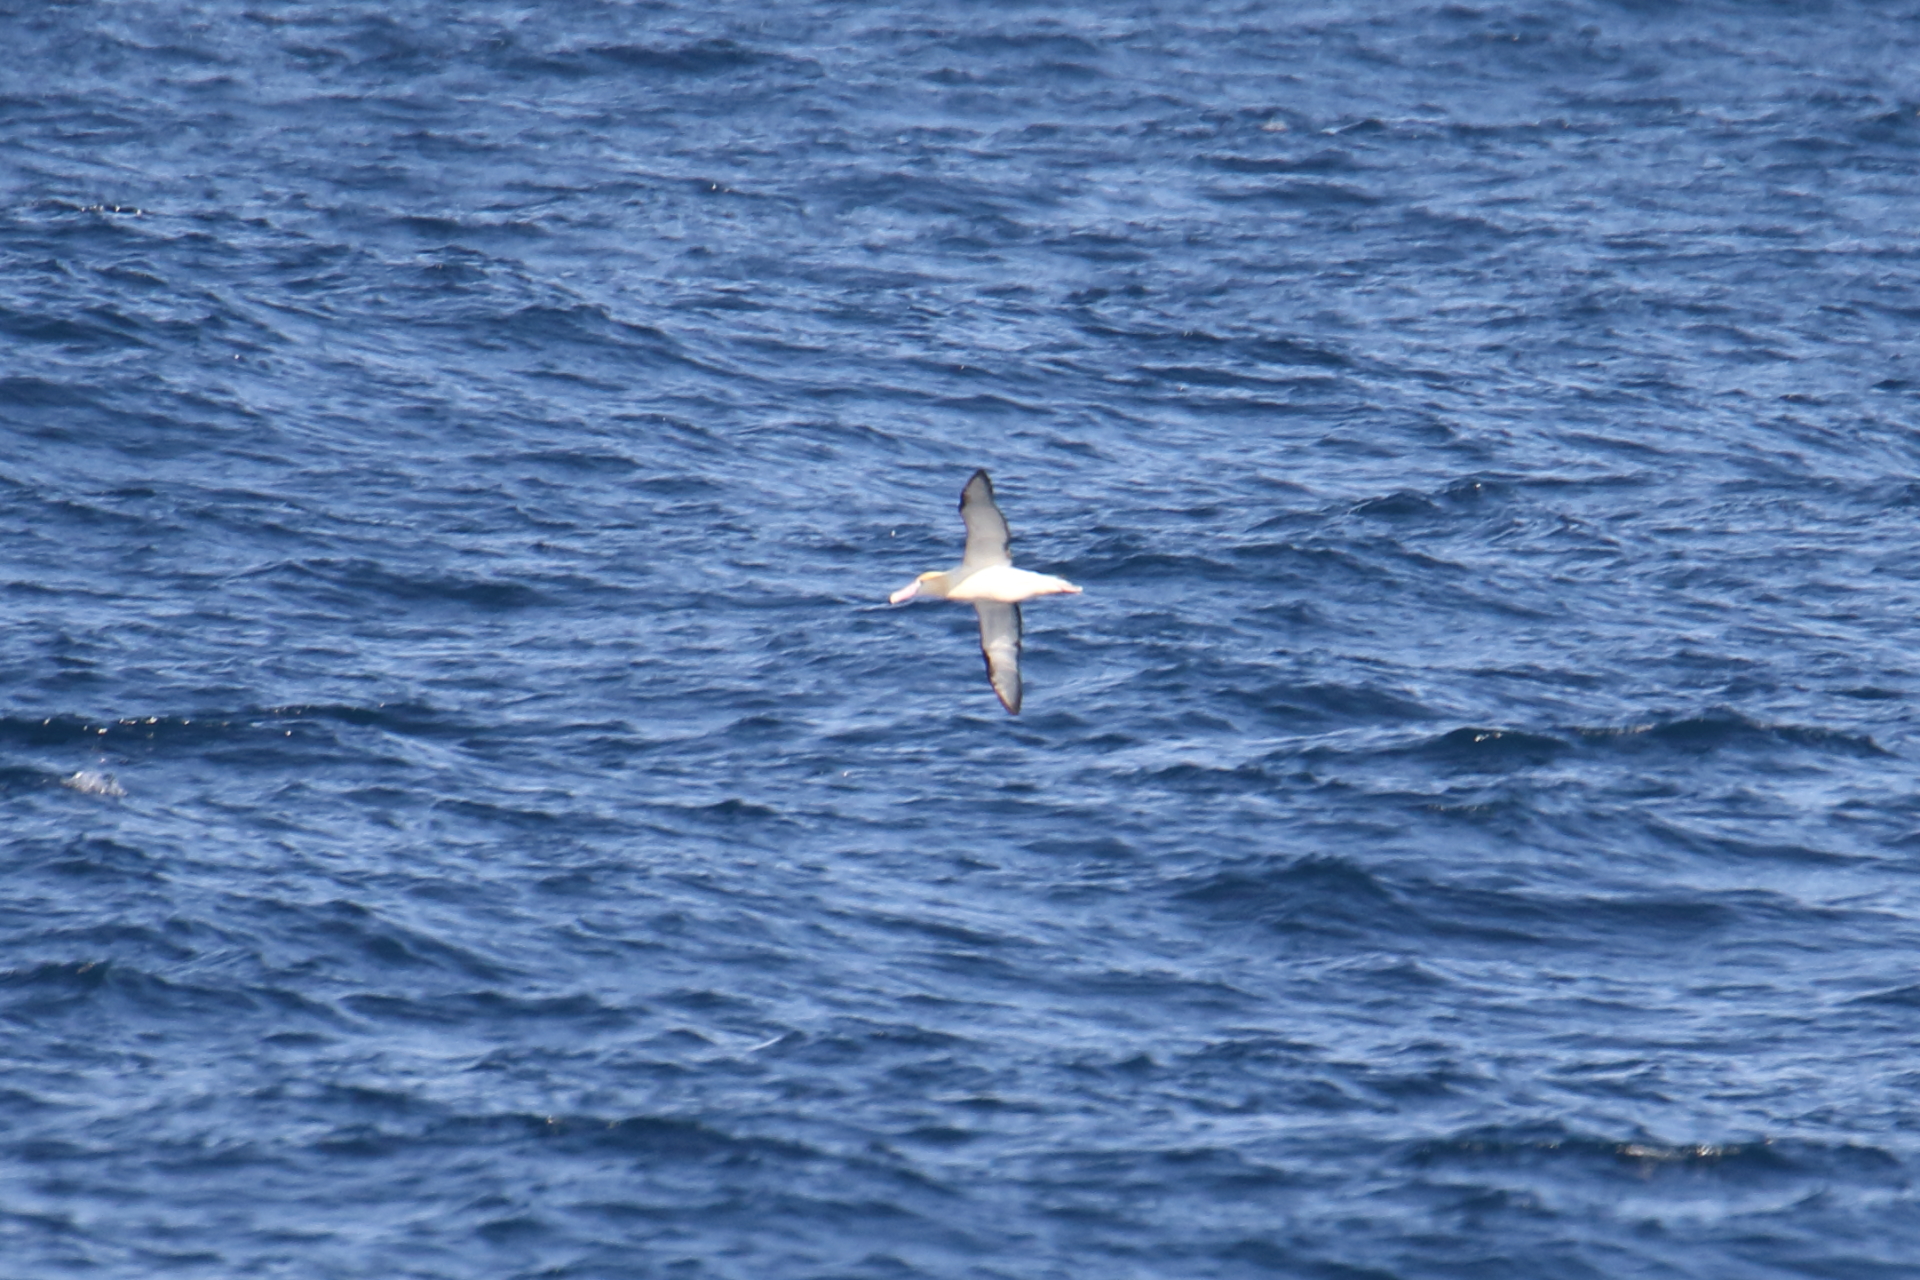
(470, 811)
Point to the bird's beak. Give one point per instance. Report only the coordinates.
(907, 592)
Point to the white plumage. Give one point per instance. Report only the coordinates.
(987, 580)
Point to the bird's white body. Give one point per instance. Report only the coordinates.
(999, 584)
(1004, 584)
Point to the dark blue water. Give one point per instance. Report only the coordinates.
(470, 812)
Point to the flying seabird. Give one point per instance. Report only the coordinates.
(987, 580)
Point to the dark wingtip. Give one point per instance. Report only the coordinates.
(980, 475)
(1019, 691)
(1019, 696)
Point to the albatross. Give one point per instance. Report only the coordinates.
(987, 580)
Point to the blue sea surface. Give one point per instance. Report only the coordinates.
(470, 811)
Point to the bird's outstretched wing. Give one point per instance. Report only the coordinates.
(987, 535)
(1000, 644)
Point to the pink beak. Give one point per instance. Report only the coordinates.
(907, 592)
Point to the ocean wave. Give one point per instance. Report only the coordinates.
(1723, 728)
(455, 463)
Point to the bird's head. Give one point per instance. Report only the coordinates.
(932, 582)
